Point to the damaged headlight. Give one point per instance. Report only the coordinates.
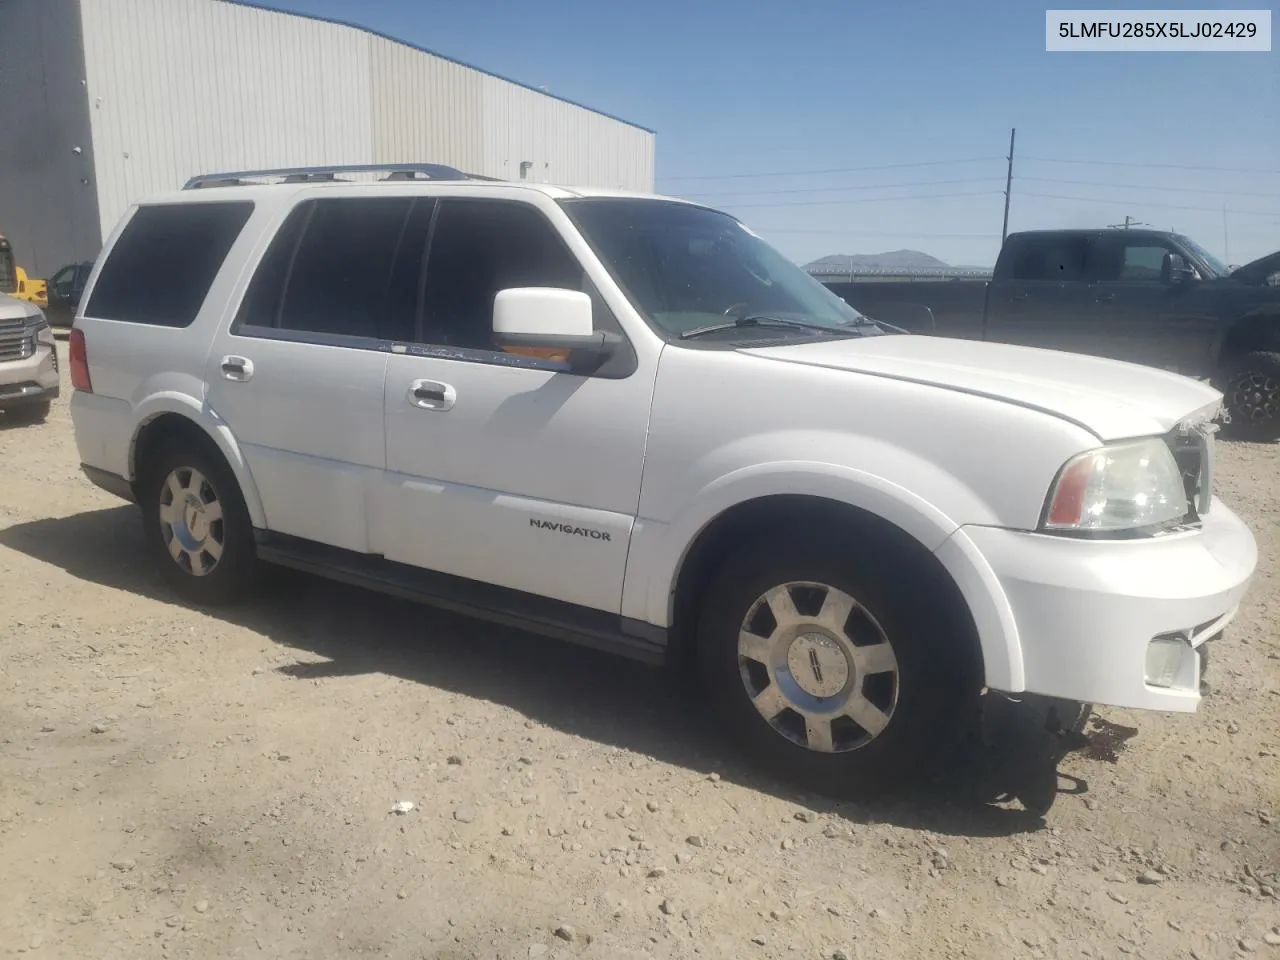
(1121, 488)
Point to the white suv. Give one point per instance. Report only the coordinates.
(627, 421)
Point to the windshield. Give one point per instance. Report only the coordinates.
(8, 278)
(1217, 266)
(686, 267)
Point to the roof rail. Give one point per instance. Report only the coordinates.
(394, 171)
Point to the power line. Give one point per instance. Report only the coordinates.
(1154, 166)
(868, 186)
(833, 203)
(942, 163)
(814, 173)
(1145, 186)
(1162, 206)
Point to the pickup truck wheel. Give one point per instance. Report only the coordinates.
(197, 525)
(826, 669)
(1253, 396)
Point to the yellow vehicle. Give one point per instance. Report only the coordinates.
(15, 282)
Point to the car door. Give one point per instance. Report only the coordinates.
(502, 467)
(298, 374)
(1038, 302)
(1141, 314)
(61, 309)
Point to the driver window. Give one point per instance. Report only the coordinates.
(61, 281)
(1112, 260)
(1143, 262)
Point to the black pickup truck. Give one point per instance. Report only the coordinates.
(1139, 295)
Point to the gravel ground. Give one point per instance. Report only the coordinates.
(179, 784)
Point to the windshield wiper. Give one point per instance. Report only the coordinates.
(763, 320)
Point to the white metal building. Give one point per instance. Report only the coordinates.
(104, 102)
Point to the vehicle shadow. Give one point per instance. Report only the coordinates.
(602, 698)
(18, 418)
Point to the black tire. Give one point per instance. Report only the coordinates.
(935, 677)
(1251, 390)
(233, 572)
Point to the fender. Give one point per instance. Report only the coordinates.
(203, 416)
(659, 550)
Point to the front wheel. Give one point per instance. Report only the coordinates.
(826, 670)
(197, 525)
(1252, 396)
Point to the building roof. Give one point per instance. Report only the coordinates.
(413, 46)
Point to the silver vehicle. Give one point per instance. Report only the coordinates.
(28, 360)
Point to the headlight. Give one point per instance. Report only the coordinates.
(1121, 488)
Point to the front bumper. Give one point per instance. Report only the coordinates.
(30, 380)
(1087, 611)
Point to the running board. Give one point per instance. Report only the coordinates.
(551, 618)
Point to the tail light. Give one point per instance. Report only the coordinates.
(79, 360)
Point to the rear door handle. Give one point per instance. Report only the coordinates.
(1106, 297)
(1020, 296)
(432, 395)
(237, 368)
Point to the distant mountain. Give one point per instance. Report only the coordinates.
(894, 259)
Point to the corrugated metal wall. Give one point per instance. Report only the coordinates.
(425, 108)
(47, 202)
(180, 87)
(565, 144)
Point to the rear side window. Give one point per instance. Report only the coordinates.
(1052, 258)
(343, 267)
(160, 269)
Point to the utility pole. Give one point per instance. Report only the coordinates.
(1128, 222)
(1008, 186)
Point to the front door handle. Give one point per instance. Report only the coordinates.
(432, 395)
(1020, 296)
(237, 368)
(1106, 297)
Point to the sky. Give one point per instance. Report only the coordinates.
(841, 127)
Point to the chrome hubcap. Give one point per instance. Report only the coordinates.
(818, 667)
(191, 521)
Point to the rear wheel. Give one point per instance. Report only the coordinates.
(196, 523)
(826, 670)
(1252, 396)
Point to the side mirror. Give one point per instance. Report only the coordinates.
(1176, 269)
(553, 324)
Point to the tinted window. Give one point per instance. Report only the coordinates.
(162, 266)
(1112, 259)
(61, 282)
(261, 304)
(348, 267)
(480, 247)
(343, 266)
(1047, 258)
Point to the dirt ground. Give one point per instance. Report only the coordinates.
(178, 784)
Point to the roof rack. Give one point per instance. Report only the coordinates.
(394, 171)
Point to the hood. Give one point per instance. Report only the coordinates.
(11, 308)
(1110, 399)
(1258, 270)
